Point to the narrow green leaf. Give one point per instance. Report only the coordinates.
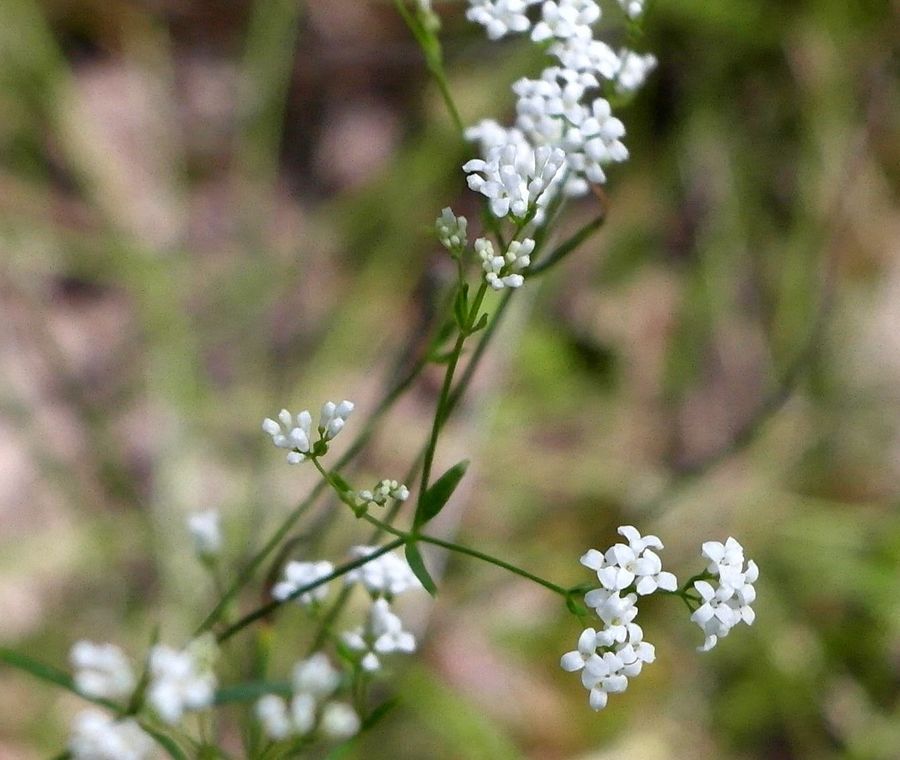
(379, 712)
(39, 670)
(480, 324)
(439, 493)
(166, 742)
(575, 608)
(340, 482)
(251, 691)
(417, 565)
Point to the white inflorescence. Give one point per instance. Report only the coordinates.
(504, 271)
(727, 604)
(451, 230)
(300, 574)
(315, 680)
(379, 495)
(563, 109)
(608, 657)
(206, 531)
(181, 680)
(96, 736)
(296, 435)
(102, 670)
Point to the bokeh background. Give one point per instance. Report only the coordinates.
(213, 208)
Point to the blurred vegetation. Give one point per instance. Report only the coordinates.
(211, 209)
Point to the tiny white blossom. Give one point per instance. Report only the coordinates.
(515, 178)
(451, 230)
(633, 8)
(388, 575)
(500, 17)
(633, 70)
(490, 134)
(272, 712)
(96, 736)
(102, 670)
(300, 574)
(614, 610)
(587, 647)
(581, 54)
(339, 721)
(181, 680)
(566, 18)
(206, 531)
(634, 562)
(382, 634)
(316, 676)
(602, 675)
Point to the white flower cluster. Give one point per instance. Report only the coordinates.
(514, 177)
(504, 271)
(382, 633)
(379, 495)
(206, 531)
(725, 605)
(96, 736)
(314, 681)
(562, 110)
(296, 436)
(609, 657)
(388, 575)
(102, 670)
(300, 574)
(181, 680)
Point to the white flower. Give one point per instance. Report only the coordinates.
(489, 134)
(388, 575)
(504, 271)
(451, 230)
(635, 652)
(316, 676)
(514, 177)
(614, 610)
(180, 680)
(587, 647)
(633, 70)
(500, 17)
(280, 720)
(300, 574)
(102, 670)
(632, 8)
(96, 736)
(566, 18)
(584, 54)
(382, 634)
(272, 712)
(297, 438)
(339, 721)
(602, 675)
(206, 532)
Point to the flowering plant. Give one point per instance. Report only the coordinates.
(564, 140)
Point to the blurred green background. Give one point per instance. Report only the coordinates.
(213, 208)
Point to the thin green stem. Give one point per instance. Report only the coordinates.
(567, 246)
(460, 549)
(442, 410)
